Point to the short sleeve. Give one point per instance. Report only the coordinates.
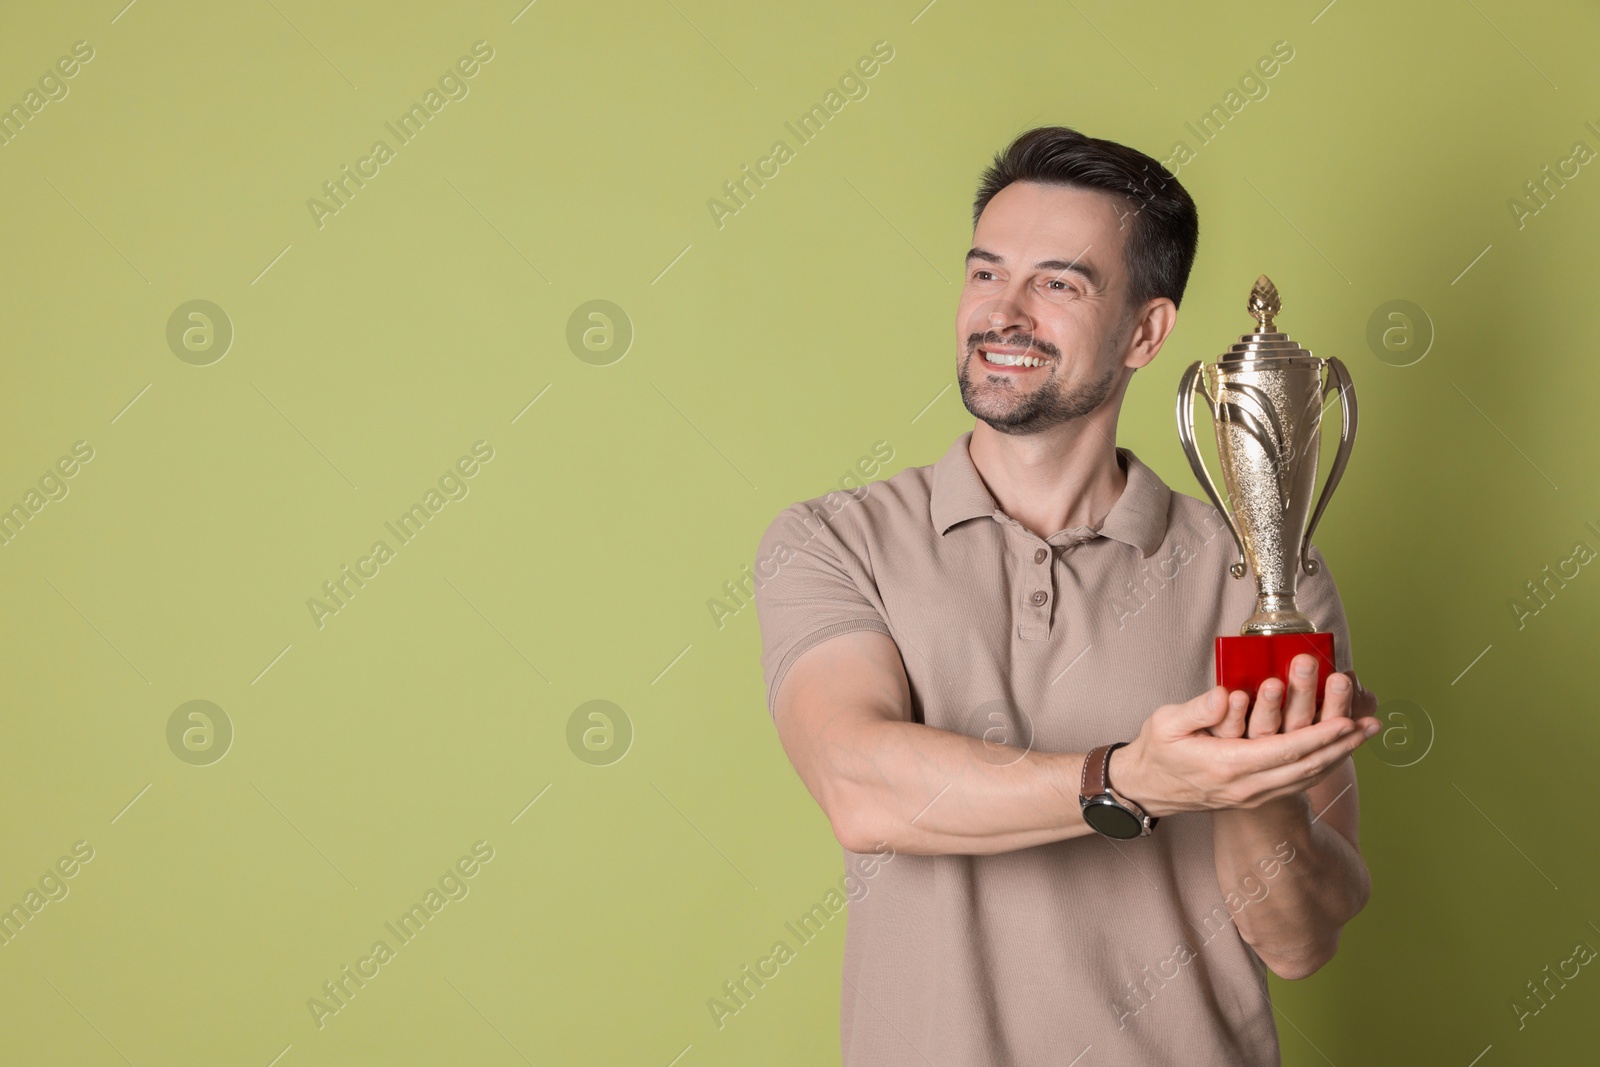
(809, 586)
(1317, 595)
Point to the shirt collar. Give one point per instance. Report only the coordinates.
(1138, 518)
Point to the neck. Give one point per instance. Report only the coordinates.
(1048, 482)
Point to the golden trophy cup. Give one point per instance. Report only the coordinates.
(1267, 396)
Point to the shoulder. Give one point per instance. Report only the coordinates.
(850, 519)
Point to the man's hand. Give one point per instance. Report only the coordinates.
(1271, 714)
(1191, 757)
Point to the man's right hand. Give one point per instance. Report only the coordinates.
(1177, 764)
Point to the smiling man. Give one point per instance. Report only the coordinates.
(982, 647)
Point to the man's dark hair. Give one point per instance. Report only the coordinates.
(1165, 227)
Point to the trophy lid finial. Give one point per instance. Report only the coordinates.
(1264, 303)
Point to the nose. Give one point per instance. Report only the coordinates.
(1004, 316)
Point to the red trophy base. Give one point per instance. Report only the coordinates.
(1246, 662)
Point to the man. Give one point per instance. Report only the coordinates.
(942, 654)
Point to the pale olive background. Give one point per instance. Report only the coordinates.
(768, 356)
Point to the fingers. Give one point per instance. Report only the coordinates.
(1267, 715)
(1301, 706)
(1368, 724)
(1337, 698)
(1264, 754)
(1233, 723)
(1206, 711)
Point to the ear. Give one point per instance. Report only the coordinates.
(1152, 323)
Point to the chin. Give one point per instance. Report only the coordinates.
(1008, 425)
(1001, 420)
(1008, 429)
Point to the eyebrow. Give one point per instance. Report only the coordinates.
(1077, 266)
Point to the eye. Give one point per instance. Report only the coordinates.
(1058, 291)
(977, 275)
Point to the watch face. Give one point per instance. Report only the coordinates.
(1111, 820)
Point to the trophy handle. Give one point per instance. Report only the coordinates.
(1337, 375)
(1191, 380)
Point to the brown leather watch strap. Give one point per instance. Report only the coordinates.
(1095, 766)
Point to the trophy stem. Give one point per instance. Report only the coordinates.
(1276, 614)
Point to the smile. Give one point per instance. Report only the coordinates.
(1007, 359)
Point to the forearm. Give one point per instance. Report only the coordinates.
(1294, 927)
(926, 791)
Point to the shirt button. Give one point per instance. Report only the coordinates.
(1040, 597)
(1041, 555)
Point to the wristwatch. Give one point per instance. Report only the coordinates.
(1113, 816)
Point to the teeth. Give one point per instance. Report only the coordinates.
(1012, 361)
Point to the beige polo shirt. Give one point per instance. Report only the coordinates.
(1032, 957)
